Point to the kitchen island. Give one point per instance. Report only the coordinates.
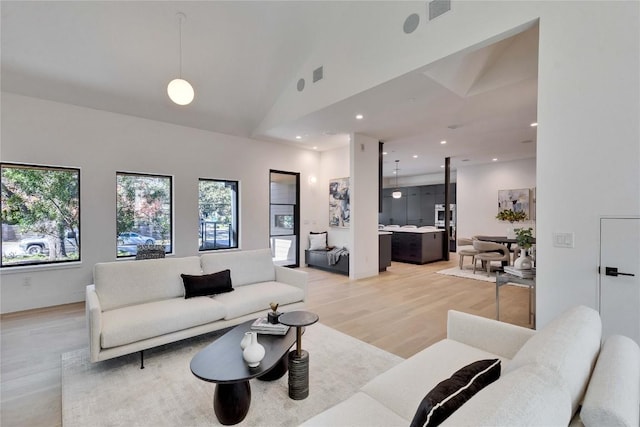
(417, 245)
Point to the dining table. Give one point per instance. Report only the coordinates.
(501, 239)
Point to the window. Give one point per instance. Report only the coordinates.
(218, 206)
(40, 214)
(143, 212)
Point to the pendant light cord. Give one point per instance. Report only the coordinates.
(181, 16)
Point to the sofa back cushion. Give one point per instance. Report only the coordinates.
(246, 267)
(123, 283)
(569, 346)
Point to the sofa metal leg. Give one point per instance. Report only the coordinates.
(141, 359)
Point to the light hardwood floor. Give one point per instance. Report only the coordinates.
(402, 311)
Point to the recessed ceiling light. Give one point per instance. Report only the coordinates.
(441, 166)
(443, 142)
(534, 124)
(315, 148)
(395, 172)
(415, 156)
(359, 117)
(298, 137)
(384, 153)
(494, 159)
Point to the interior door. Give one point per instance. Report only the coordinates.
(620, 277)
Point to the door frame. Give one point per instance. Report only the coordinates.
(296, 213)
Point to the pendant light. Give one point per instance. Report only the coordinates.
(179, 90)
(397, 193)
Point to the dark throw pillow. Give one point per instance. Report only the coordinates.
(453, 392)
(207, 284)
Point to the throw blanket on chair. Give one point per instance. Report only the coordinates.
(333, 256)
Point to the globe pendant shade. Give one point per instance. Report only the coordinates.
(396, 194)
(180, 91)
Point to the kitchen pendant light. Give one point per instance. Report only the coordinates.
(397, 193)
(179, 90)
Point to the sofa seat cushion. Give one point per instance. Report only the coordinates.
(246, 267)
(403, 387)
(253, 298)
(529, 396)
(134, 323)
(123, 283)
(360, 410)
(569, 346)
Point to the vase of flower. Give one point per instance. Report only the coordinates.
(523, 262)
(524, 238)
(254, 353)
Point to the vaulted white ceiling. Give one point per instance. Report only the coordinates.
(240, 58)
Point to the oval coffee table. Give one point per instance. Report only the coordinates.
(221, 362)
(298, 358)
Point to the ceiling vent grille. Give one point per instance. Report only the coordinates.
(438, 7)
(317, 74)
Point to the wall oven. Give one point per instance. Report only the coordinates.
(440, 215)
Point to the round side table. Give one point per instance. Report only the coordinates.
(298, 358)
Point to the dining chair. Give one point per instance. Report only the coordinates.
(465, 248)
(489, 252)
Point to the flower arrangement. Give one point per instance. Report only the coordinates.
(511, 216)
(524, 237)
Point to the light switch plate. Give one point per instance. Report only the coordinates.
(563, 240)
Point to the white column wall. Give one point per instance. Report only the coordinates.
(100, 143)
(363, 258)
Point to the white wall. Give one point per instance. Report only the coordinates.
(477, 195)
(101, 143)
(334, 164)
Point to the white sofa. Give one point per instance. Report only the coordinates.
(136, 305)
(548, 377)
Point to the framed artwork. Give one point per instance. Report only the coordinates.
(515, 200)
(339, 205)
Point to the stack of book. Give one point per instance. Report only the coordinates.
(525, 274)
(262, 326)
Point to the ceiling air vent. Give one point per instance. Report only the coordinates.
(438, 7)
(317, 74)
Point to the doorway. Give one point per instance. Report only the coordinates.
(284, 217)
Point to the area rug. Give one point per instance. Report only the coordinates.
(118, 393)
(468, 274)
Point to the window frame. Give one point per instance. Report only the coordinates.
(237, 213)
(47, 263)
(171, 209)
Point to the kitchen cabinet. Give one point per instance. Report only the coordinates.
(415, 207)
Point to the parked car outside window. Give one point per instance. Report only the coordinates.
(131, 238)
